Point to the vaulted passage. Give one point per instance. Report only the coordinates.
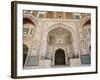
(60, 57)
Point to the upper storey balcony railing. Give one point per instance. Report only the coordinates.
(48, 15)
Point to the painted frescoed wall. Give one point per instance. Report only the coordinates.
(46, 32)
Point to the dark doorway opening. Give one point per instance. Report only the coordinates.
(25, 51)
(60, 57)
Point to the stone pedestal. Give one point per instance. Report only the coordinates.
(75, 62)
(45, 63)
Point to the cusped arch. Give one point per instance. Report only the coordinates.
(60, 28)
(72, 29)
(60, 48)
(61, 25)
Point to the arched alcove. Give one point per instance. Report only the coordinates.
(59, 36)
(60, 57)
(72, 48)
(71, 30)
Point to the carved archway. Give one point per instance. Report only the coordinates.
(59, 38)
(70, 29)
